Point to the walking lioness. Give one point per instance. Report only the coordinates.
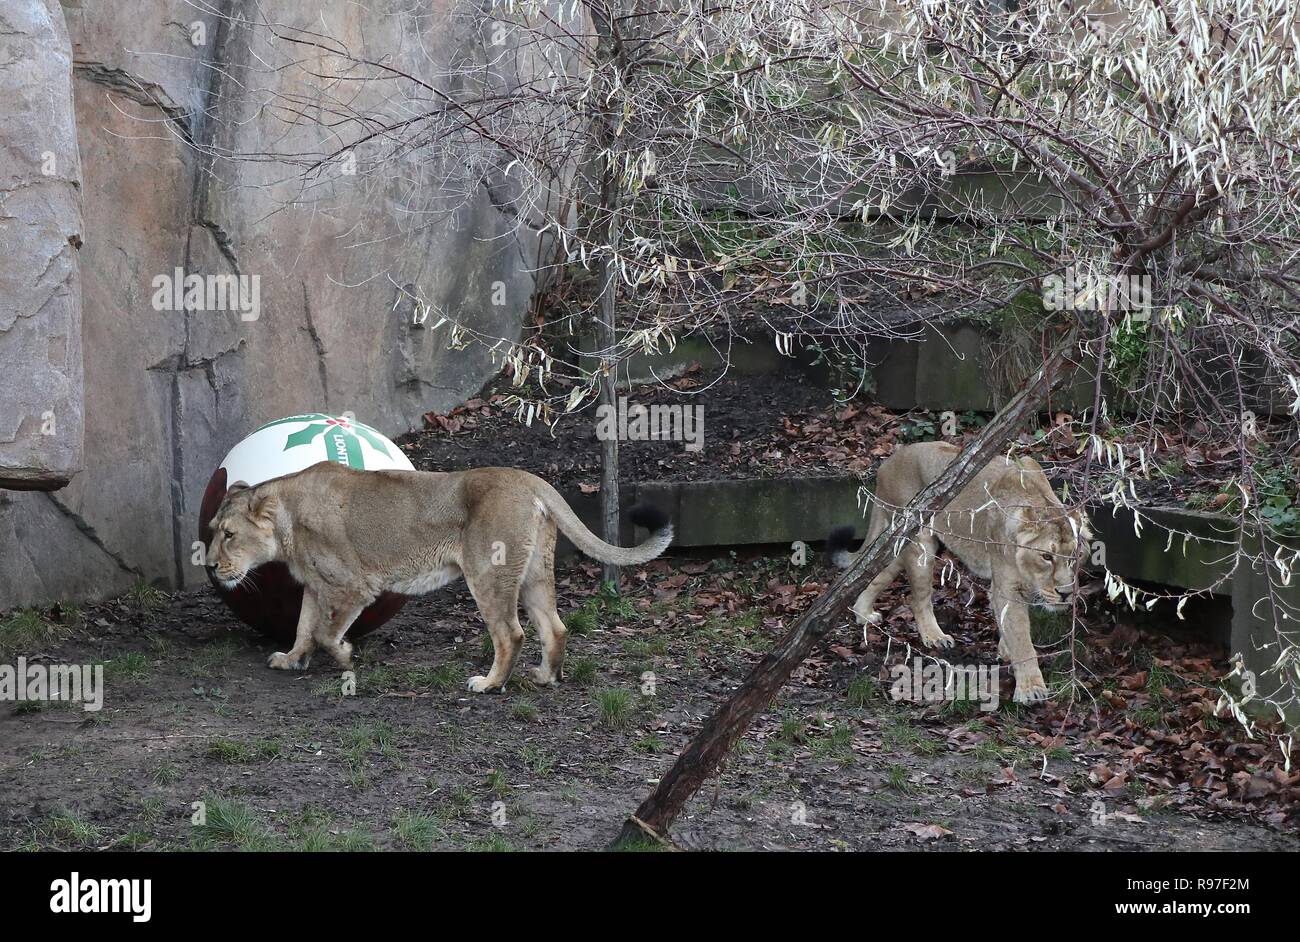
(1006, 525)
(349, 535)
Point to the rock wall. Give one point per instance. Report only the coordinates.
(173, 107)
(40, 230)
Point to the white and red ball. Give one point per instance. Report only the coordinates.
(271, 599)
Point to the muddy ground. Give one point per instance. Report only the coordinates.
(284, 760)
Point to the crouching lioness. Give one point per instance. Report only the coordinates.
(350, 535)
(1006, 525)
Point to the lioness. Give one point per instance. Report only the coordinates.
(1006, 525)
(349, 535)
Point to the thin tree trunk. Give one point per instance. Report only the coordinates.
(609, 446)
(607, 52)
(729, 722)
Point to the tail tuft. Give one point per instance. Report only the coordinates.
(649, 517)
(838, 544)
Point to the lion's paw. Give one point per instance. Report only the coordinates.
(940, 640)
(870, 618)
(543, 676)
(1031, 691)
(281, 662)
(479, 684)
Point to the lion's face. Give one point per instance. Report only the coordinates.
(243, 535)
(1049, 545)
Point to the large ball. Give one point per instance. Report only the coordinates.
(270, 599)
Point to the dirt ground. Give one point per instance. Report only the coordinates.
(745, 435)
(412, 760)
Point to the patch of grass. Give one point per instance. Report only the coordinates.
(166, 774)
(213, 658)
(492, 844)
(444, 677)
(615, 706)
(861, 690)
(376, 680)
(382, 679)
(898, 733)
(130, 668)
(243, 751)
(837, 745)
(234, 824)
(639, 846)
(1158, 678)
(896, 779)
(793, 730)
(645, 648)
(977, 773)
(151, 810)
(321, 839)
(537, 760)
(145, 598)
(461, 798)
(134, 839)
(415, 830)
(959, 709)
(496, 782)
(24, 630)
(161, 646)
(1003, 753)
(582, 672)
(1149, 717)
(583, 621)
(359, 740)
(524, 710)
(71, 828)
(615, 604)
(649, 744)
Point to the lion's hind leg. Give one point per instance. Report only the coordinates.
(538, 597)
(864, 609)
(333, 627)
(496, 552)
(498, 601)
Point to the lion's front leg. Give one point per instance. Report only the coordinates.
(298, 658)
(1016, 646)
(918, 560)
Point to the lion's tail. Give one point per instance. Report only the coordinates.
(643, 515)
(839, 545)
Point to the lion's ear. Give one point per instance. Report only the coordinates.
(265, 508)
(236, 488)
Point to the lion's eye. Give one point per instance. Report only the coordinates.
(228, 535)
(1047, 557)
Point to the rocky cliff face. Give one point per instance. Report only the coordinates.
(40, 230)
(171, 108)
